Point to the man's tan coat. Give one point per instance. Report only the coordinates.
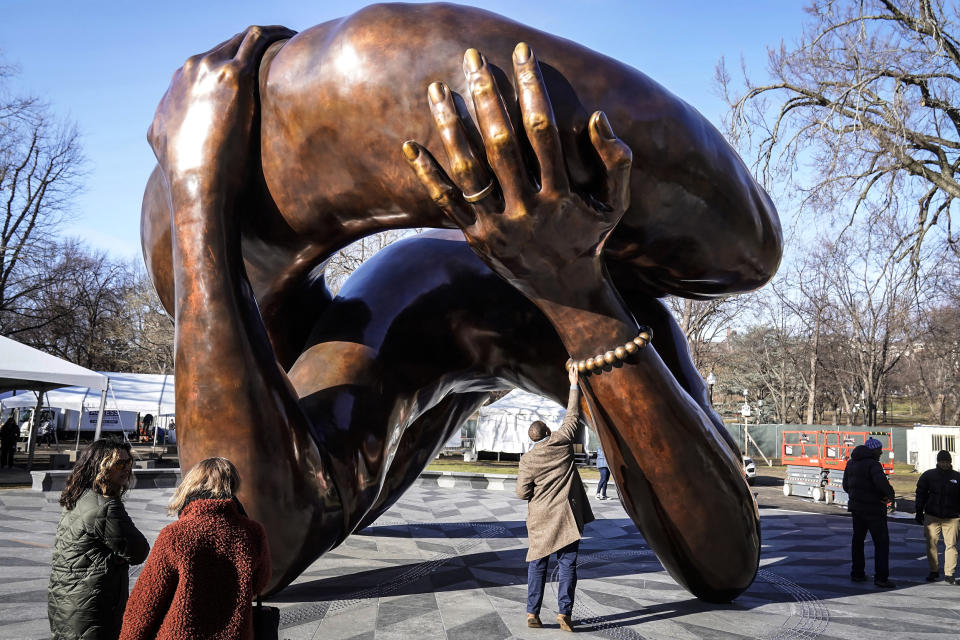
(558, 508)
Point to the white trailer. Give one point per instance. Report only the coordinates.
(924, 441)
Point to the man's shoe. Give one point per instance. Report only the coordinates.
(885, 584)
(599, 497)
(933, 576)
(860, 578)
(951, 579)
(533, 621)
(565, 622)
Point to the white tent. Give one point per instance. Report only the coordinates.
(23, 367)
(502, 426)
(137, 392)
(129, 394)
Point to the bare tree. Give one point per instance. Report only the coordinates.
(98, 312)
(804, 290)
(82, 301)
(933, 361)
(703, 322)
(873, 296)
(347, 260)
(864, 110)
(143, 331)
(40, 164)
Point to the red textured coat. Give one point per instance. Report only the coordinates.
(200, 577)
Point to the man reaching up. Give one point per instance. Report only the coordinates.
(557, 510)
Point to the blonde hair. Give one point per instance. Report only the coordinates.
(213, 478)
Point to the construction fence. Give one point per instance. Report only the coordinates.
(762, 441)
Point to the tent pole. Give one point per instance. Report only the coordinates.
(103, 406)
(32, 443)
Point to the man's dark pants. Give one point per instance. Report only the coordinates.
(537, 579)
(6, 455)
(876, 524)
(602, 485)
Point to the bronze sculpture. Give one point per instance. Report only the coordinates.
(276, 149)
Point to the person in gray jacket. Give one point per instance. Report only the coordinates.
(557, 511)
(604, 474)
(95, 545)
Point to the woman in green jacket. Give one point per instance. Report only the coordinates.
(96, 544)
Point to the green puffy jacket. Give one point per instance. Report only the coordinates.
(89, 580)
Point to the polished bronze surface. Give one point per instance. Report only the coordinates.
(276, 149)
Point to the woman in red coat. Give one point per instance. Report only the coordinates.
(205, 568)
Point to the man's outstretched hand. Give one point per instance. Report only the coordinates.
(535, 231)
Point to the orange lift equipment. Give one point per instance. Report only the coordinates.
(816, 459)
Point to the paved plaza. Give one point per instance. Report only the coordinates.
(449, 563)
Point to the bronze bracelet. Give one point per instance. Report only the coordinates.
(620, 354)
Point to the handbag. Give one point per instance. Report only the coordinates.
(266, 622)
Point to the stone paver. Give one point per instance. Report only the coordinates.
(449, 563)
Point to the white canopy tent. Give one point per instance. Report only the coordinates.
(502, 426)
(139, 392)
(129, 393)
(29, 369)
(23, 367)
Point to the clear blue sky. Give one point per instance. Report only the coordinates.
(106, 64)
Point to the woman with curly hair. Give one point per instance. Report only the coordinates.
(96, 544)
(205, 568)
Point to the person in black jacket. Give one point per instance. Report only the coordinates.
(870, 493)
(938, 510)
(9, 434)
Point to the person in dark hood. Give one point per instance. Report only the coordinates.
(9, 434)
(938, 510)
(870, 493)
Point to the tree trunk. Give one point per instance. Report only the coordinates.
(846, 407)
(812, 388)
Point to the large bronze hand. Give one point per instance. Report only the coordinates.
(548, 242)
(206, 116)
(536, 231)
(226, 370)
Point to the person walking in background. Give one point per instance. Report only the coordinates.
(95, 545)
(938, 510)
(205, 568)
(9, 435)
(870, 493)
(558, 510)
(604, 474)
